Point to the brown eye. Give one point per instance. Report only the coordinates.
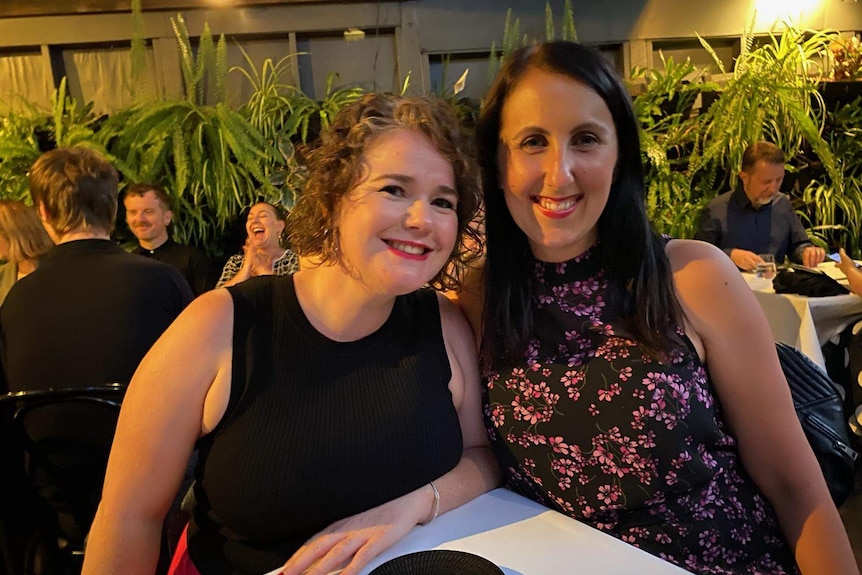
(585, 139)
(443, 203)
(533, 143)
(393, 190)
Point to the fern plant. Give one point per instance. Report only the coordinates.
(836, 206)
(209, 158)
(513, 39)
(25, 134)
(19, 148)
(771, 95)
(668, 134)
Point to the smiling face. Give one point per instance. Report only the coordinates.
(557, 154)
(762, 182)
(148, 219)
(398, 225)
(264, 227)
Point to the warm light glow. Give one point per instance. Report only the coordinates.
(771, 12)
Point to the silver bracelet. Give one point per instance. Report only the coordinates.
(436, 508)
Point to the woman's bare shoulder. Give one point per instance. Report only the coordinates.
(470, 299)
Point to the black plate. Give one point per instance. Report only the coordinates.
(438, 562)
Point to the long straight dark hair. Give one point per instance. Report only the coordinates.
(632, 253)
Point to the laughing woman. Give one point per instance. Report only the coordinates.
(263, 253)
(292, 386)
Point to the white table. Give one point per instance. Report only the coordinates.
(806, 323)
(524, 538)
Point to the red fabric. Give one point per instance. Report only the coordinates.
(181, 563)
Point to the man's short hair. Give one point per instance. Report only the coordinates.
(142, 189)
(761, 151)
(78, 189)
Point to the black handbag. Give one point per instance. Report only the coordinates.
(820, 410)
(805, 281)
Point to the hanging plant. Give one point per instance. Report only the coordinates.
(668, 135)
(208, 157)
(771, 95)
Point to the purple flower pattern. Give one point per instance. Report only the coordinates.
(590, 424)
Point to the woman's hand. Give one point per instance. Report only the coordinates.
(354, 541)
(260, 261)
(846, 262)
(854, 275)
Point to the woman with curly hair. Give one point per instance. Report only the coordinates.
(333, 409)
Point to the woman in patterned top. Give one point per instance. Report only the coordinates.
(631, 381)
(263, 253)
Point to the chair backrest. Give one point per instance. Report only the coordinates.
(66, 436)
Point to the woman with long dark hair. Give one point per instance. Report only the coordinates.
(631, 381)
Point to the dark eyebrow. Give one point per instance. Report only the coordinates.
(589, 126)
(596, 126)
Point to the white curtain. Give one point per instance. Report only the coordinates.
(24, 77)
(103, 76)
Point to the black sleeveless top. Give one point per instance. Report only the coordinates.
(317, 430)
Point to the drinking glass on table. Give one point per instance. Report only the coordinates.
(766, 267)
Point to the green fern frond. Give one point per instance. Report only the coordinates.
(220, 70)
(570, 33)
(187, 58)
(138, 52)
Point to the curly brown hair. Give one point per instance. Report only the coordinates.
(335, 168)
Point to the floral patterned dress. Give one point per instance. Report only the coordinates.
(589, 424)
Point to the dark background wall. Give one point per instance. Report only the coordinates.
(433, 41)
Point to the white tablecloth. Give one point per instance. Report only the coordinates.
(524, 538)
(805, 323)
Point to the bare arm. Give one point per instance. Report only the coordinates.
(358, 539)
(732, 334)
(177, 393)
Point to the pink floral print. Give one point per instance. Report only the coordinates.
(590, 424)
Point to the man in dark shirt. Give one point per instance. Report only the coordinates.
(148, 214)
(757, 218)
(91, 310)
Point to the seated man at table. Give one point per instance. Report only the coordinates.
(756, 218)
(91, 310)
(148, 214)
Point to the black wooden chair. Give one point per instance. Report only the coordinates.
(65, 435)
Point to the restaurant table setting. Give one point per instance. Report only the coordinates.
(804, 322)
